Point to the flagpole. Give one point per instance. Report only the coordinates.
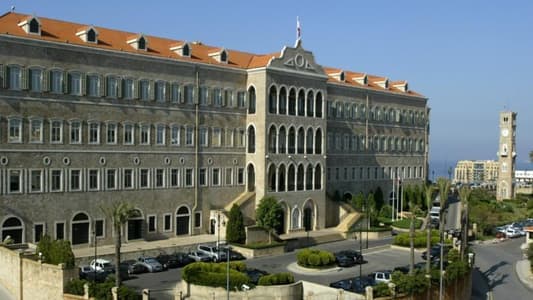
(401, 197)
(393, 196)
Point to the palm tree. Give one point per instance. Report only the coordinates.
(428, 190)
(444, 190)
(412, 206)
(464, 196)
(119, 212)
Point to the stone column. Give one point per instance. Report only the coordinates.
(146, 294)
(114, 293)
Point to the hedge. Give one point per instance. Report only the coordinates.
(214, 275)
(101, 290)
(402, 239)
(406, 223)
(314, 258)
(276, 279)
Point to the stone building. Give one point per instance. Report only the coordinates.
(505, 188)
(183, 130)
(476, 172)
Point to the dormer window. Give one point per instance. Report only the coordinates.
(139, 42)
(31, 25)
(221, 55)
(183, 50)
(362, 80)
(402, 86)
(339, 76)
(383, 83)
(88, 35)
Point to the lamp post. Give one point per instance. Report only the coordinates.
(95, 254)
(227, 272)
(361, 251)
(218, 234)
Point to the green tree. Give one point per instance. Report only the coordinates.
(412, 207)
(371, 209)
(268, 215)
(419, 197)
(378, 197)
(119, 212)
(55, 252)
(358, 201)
(235, 228)
(464, 196)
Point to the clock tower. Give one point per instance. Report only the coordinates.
(506, 156)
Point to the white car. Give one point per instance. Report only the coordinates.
(216, 254)
(512, 232)
(102, 265)
(381, 276)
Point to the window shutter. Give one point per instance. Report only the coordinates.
(208, 96)
(2, 76)
(168, 91)
(102, 82)
(6, 76)
(136, 89)
(119, 87)
(68, 84)
(65, 82)
(151, 90)
(24, 78)
(46, 81)
(83, 79)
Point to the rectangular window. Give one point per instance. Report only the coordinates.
(353, 173)
(36, 181)
(111, 133)
(228, 98)
(15, 75)
(189, 94)
(240, 176)
(217, 137)
(75, 180)
(240, 137)
(215, 177)
(151, 223)
(160, 178)
(175, 93)
(56, 182)
(167, 222)
(75, 132)
(174, 177)
(203, 137)
(38, 232)
(93, 180)
(111, 179)
(128, 179)
(337, 174)
(328, 174)
(160, 91)
(175, 136)
(93, 86)
(203, 95)
(189, 177)
(345, 174)
(36, 77)
(241, 99)
(229, 137)
(94, 133)
(129, 131)
(202, 177)
(144, 178)
(145, 134)
(15, 131)
(75, 84)
(99, 228)
(189, 136)
(15, 181)
(160, 134)
(229, 176)
(56, 82)
(217, 97)
(144, 89)
(198, 219)
(112, 87)
(60, 231)
(36, 131)
(128, 88)
(56, 132)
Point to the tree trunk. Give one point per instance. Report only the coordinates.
(428, 242)
(464, 238)
(270, 237)
(118, 242)
(412, 244)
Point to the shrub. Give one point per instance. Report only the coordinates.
(214, 275)
(406, 223)
(235, 232)
(56, 251)
(326, 258)
(386, 211)
(402, 239)
(75, 287)
(410, 284)
(381, 290)
(314, 258)
(276, 279)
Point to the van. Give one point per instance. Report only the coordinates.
(434, 213)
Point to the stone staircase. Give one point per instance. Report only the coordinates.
(240, 200)
(349, 219)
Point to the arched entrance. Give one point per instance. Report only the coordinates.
(347, 197)
(183, 217)
(212, 226)
(135, 226)
(14, 228)
(80, 229)
(309, 215)
(251, 178)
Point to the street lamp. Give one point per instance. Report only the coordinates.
(227, 271)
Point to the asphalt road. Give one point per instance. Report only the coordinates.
(496, 271)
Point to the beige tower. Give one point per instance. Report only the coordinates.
(506, 155)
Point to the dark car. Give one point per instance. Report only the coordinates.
(183, 259)
(255, 274)
(435, 252)
(402, 269)
(133, 266)
(356, 285)
(348, 258)
(167, 261)
(434, 223)
(234, 255)
(88, 273)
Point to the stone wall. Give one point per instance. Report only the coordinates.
(278, 292)
(312, 291)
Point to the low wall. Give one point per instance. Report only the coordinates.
(312, 291)
(251, 253)
(255, 234)
(25, 278)
(278, 292)
(372, 235)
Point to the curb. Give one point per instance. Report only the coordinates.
(294, 267)
(406, 248)
(522, 271)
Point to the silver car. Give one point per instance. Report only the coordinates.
(150, 264)
(199, 256)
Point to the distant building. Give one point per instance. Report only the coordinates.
(476, 171)
(523, 177)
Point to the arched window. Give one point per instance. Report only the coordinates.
(141, 44)
(292, 102)
(272, 100)
(300, 178)
(318, 105)
(272, 139)
(292, 140)
(282, 101)
(251, 100)
(291, 178)
(282, 140)
(318, 141)
(223, 56)
(295, 219)
(91, 36)
(318, 177)
(301, 140)
(34, 26)
(383, 144)
(301, 103)
(272, 178)
(186, 50)
(310, 104)
(309, 178)
(251, 139)
(281, 178)
(80, 229)
(182, 220)
(309, 141)
(14, 228)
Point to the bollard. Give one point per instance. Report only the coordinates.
(369, 293)
(86, 291)
(178, 295)
(146, 294)
(114, 292)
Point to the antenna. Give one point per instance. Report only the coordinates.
(12, 8)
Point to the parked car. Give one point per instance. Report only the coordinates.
(511, 232)
(102, 265)
(199, 256)
(402, 269)
(216, 254)
(151, 264)
(356, 285)
(235, 255)
(88, 273)
(134, 267)
(381, 276)
(434, 223)
(167, 261)
(348, 258)
(123, 272)
(435, 252)
(183, 259)
(255, 274)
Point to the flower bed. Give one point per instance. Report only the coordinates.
(313, 258)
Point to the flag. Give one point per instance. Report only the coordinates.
(298, 28)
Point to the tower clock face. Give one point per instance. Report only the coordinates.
(505, 132)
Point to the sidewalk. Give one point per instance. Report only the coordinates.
(523, 271)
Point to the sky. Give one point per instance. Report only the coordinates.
(471, 59)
